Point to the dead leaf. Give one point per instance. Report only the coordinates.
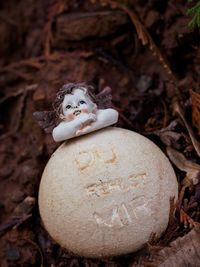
(183, 252)
(195, 142)
(192, 169)
(11, 107)
(195, 109)
(170, 138)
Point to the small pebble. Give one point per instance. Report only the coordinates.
(5, 172)
(17, 196)
(151, 18)
(28, 174)
(25, 207)
(143, 83)
(13, 254)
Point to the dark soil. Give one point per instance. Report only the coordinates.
(44, 44)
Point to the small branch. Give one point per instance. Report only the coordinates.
(38, 248)
(123, 117)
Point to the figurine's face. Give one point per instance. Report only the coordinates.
(76, 103)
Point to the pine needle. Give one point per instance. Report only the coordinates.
(196, 18)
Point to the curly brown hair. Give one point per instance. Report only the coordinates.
(68, 89)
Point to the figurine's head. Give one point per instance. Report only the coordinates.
(74, 99)
(76, 103)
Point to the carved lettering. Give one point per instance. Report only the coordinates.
(113, 219)
(104, 188)
(108, 156)
(138, 205)
(125, 217)
(123, 214)
(136, 180)
(85, 159)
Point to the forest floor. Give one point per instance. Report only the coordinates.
(145, 51)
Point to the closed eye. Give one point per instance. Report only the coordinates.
(82, 102)
(68, 106)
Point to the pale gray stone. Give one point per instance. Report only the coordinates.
(104, 193)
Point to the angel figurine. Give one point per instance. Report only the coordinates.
(77, 111)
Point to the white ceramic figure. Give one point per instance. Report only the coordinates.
(77, 111)
(105, 193)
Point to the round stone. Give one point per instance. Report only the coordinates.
(104, 193)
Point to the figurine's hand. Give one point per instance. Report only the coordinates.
(92, 116)
(87, 122)
(83, 130)
(86, 118)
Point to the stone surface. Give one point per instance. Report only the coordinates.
(69, 27)
(104, 193)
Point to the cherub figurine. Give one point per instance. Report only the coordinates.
(77, 111)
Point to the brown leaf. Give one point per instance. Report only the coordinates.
(192, 169)
(169, 138)
(195, 109)
(195, 142)
(11, 107)
(183, 252)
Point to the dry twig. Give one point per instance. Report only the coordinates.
(187, 220)
(36, 62)
(124, 118)
(56, 7)
(172, 210)
(38, 248)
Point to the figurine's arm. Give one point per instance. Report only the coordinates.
(67, 130)
(105, 117)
